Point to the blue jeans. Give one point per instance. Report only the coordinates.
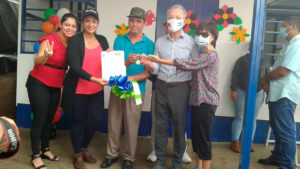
(281, 114)
(239, 104)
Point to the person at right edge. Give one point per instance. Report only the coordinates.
(282, 86)
(238, 87)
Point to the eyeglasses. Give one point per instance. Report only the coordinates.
(203, 34)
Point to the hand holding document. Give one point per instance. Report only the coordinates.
(113, 64)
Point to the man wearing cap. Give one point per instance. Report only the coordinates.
(172, 87)
(134, 44)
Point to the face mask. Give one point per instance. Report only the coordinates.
(283, 33)
(201, 41)
(174, 25)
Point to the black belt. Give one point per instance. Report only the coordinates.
(172, 84)
(55, 67)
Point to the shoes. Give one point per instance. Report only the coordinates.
(108, 162)
(33, 157)
(252, 147)
(87, 157)
(186, 159)
(43, 156)
(268, 161)
(78, 161)
(127, 164)
(152, 157)
(235, 146)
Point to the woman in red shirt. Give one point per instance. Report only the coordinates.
(44, 87)
(83, 96)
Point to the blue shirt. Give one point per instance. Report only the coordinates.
(144, 46)
(183, 47)
(289, 85)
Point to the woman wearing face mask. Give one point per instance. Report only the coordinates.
(83, 96)
(204, 97)
(44, 87)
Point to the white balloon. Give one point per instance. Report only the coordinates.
(60, 13)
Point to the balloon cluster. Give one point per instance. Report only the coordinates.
(121, 87)
(52, 19)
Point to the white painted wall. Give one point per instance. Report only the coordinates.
(115, 12)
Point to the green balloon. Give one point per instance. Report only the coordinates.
(31, 116)
(48, 12)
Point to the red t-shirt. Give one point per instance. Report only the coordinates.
(52, 74)
(92, 65)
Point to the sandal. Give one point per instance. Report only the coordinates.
(43, 156)
(35, 157)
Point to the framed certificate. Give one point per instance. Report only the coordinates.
(113, 64)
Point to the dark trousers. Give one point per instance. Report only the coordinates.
(171, 103)
(44, 102)
(281, 115)
(86, 116)
(202, 122)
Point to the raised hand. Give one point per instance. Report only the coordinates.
(152, 58)
(48, 52)
(109, 50)
(133, 58)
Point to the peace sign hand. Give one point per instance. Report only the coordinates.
(49, 49)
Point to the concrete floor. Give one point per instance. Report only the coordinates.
(223, 157)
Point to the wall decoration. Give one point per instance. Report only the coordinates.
(226, 16)
(122, 29)
(150, 18)
(191, 23)
(52, 21)
(239, 34)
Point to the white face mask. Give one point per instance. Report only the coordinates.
(175, 25)
(201, 41)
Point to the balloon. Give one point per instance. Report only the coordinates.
(48, 27)
(36, 47)
(31, 116)
(48, 12)
(56, 117)
(60, 13)
(54, 19)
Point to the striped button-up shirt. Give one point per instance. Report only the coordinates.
(166, 48)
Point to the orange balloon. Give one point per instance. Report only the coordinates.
(48, 27)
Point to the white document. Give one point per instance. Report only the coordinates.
(113, 64)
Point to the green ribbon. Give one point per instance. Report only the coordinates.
(137, 93)
(128, 94)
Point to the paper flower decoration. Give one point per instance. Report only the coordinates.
(150, 18)
(239, 34)
(191, 23)
(226, 16)
(122, 29)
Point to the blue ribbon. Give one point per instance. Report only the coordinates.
(121, 82)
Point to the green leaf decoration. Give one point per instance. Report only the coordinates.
(127, 27)
(232, 33)
(241, 27)
(118, 26)
(220, 27)
(238, 41)
(191, 32)
(246, 35)
(238, 21)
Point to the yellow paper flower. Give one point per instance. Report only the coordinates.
(122, 29)
(239, 34)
